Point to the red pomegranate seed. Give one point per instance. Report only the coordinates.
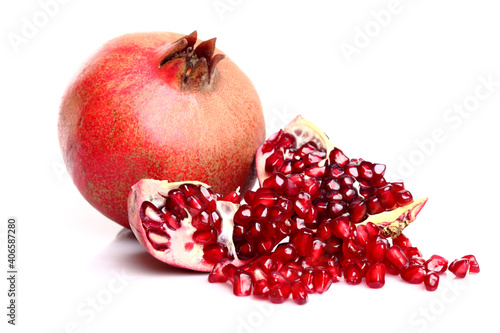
(303, 241)
(205, 236)
(242, 283)
(365, 170)
(374, 205)
(431, 281)
(474, 265)
(207, 195)
(375, 276)
(261, 289)
(233, 197)
(348, 193)
(173, 222)
(286, 141)
(274, 161)
(402, 241)
(333, 246)
(275, 278)
(375, 249)
(276, 181)
(338, 157)
(346, 180)
(358, 209)
(387, 196)
(333, 266)
(299, 293)
(372, 229)
(307, 279)
(215, 252)
(280, 292)
(285, 252)
(292, 271)
(189, 189)
(302, 204)
(336, 208)
(352, 250)
(460, 267)
(378, 170)
(404, 198)
(322, 279)
(243, 215)
(265, 196)
(397, 257)
(306, 149)
(334, 170)
(413, 274)
(228, 270)
(340, 227)
(216, 275)
(353, 274)
(316, 253)
(398, 186)
(391, 269)
(436, 264)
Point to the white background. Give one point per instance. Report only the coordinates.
(382, 103)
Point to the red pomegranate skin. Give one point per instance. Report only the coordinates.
(123, 119)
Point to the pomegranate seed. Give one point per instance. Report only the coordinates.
(333, 195)
(285, 252)
(205, 236)
(189, 189)
(322, 279)
(208, 199)
(265, 196)
(307, 279)
(315, 171)
(276, 181)
(324, 230)
(375, 249)
(398, 186)
(431, 281)
(348, 193)
(338, 157)
(243, 215)
(352, 250)
(436, 264)
(378, 170)
(353, 274)
(306, 149)
(340, 227)
(336, 208)
(303, 241)
(374, 206)
(387, 196)
(404, 198)
(259, 213)
(334, 268)
(358, 209)
(275, 278)
(413, 274)
(332, 246)
(280, 292)
(291, 271)
(365, 170)
(286, 141)
(397, 257)
(334, 170)
(242, 283)
(299, 293)
(233, 197)
(316, 253)
(402, 241)
(346, 180)
(375, 276)
(261, 289)
(274, 161)
(173, 222)
(372, 229)
(216, 274)
(460, 267)
(215, 252)
(228, 270)
(474, 265)
(302, 204)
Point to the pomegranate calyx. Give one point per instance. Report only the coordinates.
(191, 68)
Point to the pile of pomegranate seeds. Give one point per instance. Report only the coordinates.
(309, 227)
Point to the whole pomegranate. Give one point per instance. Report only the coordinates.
(159, 105)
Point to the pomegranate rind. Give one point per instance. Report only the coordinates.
(392, 223)
(177, 255)
(304, 131)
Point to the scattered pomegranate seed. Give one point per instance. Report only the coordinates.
(436, 264)
(431, 281)
(474, 266)
(375, 276)
(460, 267)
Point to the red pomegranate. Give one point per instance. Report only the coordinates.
(163, 106)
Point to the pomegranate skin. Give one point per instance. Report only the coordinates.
(123, 118)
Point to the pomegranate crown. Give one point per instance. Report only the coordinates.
(193, 67)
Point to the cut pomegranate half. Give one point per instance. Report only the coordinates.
(182, 224)
(300, 162)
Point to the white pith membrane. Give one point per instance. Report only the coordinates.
(391, 222)
(179, 250)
